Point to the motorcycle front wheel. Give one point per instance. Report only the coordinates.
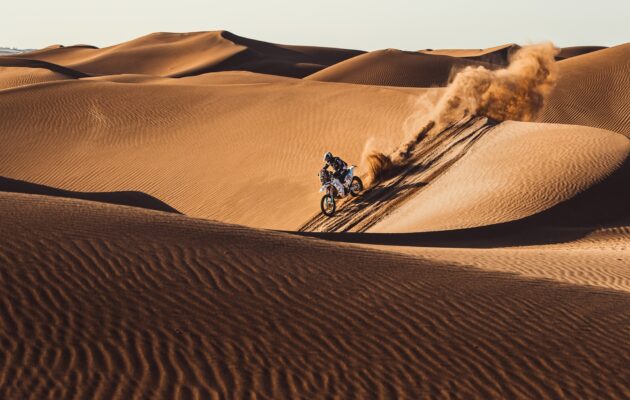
(328, 205)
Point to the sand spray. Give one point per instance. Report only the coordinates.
(516, 92)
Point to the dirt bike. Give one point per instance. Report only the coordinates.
(332, 187)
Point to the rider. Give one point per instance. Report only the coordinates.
(340, 170)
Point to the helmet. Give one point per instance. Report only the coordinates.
(328, 156)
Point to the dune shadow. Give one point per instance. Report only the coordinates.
(500, 235)
(123, 198)
(21, 62)
(271, 59)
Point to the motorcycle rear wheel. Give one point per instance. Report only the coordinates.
(356, 186)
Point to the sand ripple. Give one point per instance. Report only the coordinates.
(102, 301)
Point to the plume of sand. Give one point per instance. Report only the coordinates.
(516, 92)
(513, 93)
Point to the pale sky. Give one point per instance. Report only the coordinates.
(366, 25)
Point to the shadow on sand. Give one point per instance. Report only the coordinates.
(126, 198)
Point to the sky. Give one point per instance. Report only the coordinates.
(365, 25)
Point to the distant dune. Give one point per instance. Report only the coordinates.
(568, 52)
(499, 55)
(395, 68)
(593, 90)
(183, 54)
(491, 260)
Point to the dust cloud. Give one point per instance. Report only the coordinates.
(516, 92)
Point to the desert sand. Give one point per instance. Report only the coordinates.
(161, 234)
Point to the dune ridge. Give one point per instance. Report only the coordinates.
(185, 54)
(28, 63)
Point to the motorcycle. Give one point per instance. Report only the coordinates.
(333, 189)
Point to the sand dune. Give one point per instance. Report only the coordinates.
(183, 54)
(568, 52)
(513, 171)
(102, 301)
(299, 61)
(592, 90)
(155, 54)
(499, 55)
(478, 173)
(395, 68)
(243, 153)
